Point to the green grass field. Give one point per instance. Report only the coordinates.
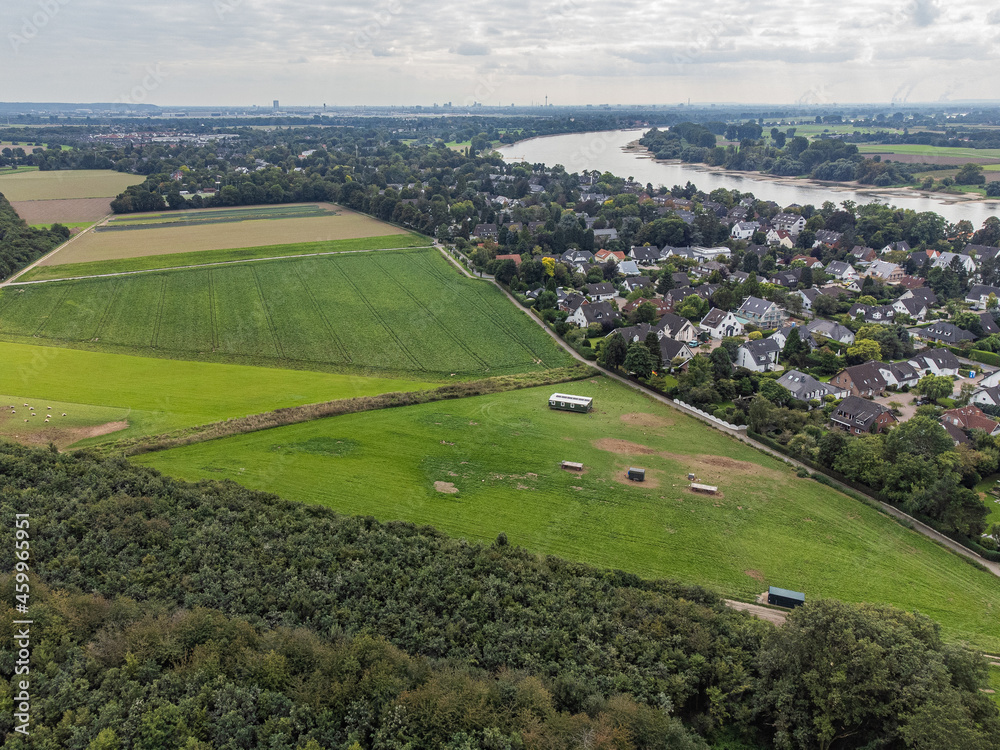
(11, 170)
(64, 184)
(204, 257)
(993, 507)
(159, 395)
(502, 454)
(392, 311)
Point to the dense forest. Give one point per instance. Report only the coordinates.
(21, 244)
(209, 616)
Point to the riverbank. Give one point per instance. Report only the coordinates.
(641, 152)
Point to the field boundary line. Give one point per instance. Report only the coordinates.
(311, 412)
(45, 320)
(117, 285)
(212, 318)
(323, 316)
(267, 314)
(159, 313)
(380, 320)
(12, 281)
(485, 308)
(422, 306)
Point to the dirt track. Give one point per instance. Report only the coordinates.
(764, 613)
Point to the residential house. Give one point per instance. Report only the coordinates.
(780, 237)
(486, 231)
(601, 292)
(937, 362)
(628, 268)
(720, 323)
(946, 260)
(861, 380)
(632, 334)
(645, 255)
(805, 387)
(594, 312)
(808, 297)
(577, 256)
(781, 336)
(881, 314)
(513, 256)
(842, 271)
(671, 350)
(636, 282)
(898, 374)
(902, 247)
(791, 223)
(946, 333)
(604, 235)
(828, 238)
(915, 308)
(831, 330)
(675, 327)
(862, 254)
(859, 416)
(970, 418)
(986, 396)
(811, 262)
(988, 323)
(759, 356)
(979, 294)
(569, 302)
(743, 230)
(788, 279)
(888, 272)
(603, 256)
(680, 279)
(661, 305)
(761, 312)
(923, 294)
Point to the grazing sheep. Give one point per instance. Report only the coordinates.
(64, 414)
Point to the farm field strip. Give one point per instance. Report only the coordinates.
(160, 395)
(65, 184)
(477, 466)
(199, 217)
(219, 257)
(913, 148)
(387, 311)
(167, 240)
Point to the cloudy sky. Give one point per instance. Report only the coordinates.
(341, 52)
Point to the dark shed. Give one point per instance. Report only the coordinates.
(785, 598)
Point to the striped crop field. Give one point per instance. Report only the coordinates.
(391, 311)
(144, 235)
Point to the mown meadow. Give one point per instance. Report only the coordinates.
(480, 466)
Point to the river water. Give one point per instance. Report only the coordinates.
(604, 151)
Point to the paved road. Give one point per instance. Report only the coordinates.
(922, 528)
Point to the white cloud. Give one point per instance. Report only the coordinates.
(237, 51)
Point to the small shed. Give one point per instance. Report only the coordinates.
(636, 475)
(785, 598)
(572, 466)
(568, 402)
(708, 488)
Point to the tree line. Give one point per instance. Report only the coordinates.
(210, 616)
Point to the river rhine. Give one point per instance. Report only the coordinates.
(604, 151)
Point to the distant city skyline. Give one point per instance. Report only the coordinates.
(409, 52)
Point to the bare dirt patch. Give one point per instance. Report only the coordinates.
(624, 447)
(642, 419)
(764, 613)
(64, 211)
(63, 436)
(446, 487)
(755, 574)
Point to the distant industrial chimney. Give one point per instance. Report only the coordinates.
(274, 104)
